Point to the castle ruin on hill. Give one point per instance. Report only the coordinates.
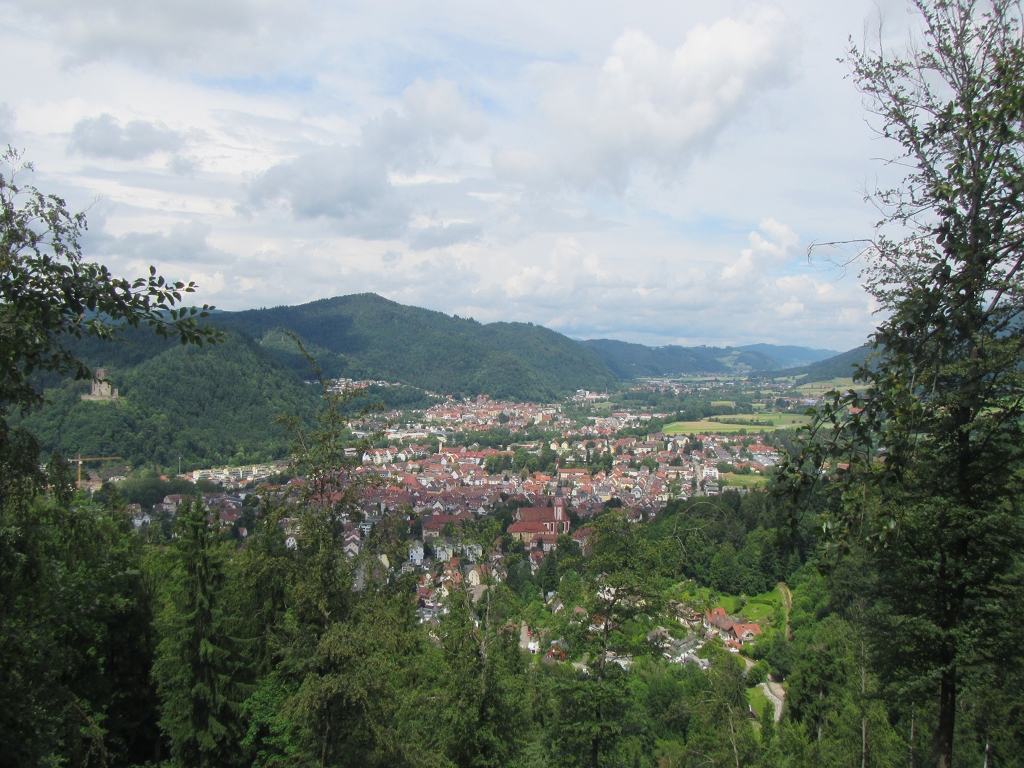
(102, 391)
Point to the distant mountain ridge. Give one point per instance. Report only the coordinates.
(791, 356)
(365, 336)
(630, 361)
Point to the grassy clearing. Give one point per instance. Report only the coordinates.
(730, 480)
(757, 608)
(757, 700)
(729, 602)
(705, 427)
(760, 608)
(779, 420)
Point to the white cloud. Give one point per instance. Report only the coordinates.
(653, 106)
(763, 253)
(597, 172)
(213, 32)
(791, 308)
(6, 122)
(185, 243)
(440, 235)
(353, 183)
(103, 136)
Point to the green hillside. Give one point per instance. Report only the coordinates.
(211, 406)
(366, 336)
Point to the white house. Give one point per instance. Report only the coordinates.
(416, 552)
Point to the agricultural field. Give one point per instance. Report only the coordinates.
(707, 427)
(751, 422)
(819, 388)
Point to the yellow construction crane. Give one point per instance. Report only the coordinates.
(80, 459)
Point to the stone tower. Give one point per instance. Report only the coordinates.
(101, 389)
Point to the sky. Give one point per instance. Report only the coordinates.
(650, 171)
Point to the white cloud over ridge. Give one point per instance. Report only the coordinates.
(643, 173)
(185, 244)
(764, 253)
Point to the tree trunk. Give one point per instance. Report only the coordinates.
(821, 719)
(947, 718)
(732, 731)
(913, 713)
(864, 718)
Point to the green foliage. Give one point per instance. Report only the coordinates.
(364, 336)
(75, 618)
(198, 667)
(932, 448)
(758, 673)
(50, 296)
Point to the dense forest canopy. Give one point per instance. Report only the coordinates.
(364, 336)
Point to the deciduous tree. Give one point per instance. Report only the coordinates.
(926, 459)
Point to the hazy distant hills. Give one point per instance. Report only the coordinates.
(839, 366)
(629, 361)
(789, 356)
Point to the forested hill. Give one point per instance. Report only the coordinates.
(211, 406)
(629, 361)
(365, 336)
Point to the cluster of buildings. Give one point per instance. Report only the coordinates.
(237, 477)
(734, 632)
(346, 385)
(645, 473)
(483, 414)
(224, 508)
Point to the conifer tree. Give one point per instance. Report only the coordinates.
(197, 667)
